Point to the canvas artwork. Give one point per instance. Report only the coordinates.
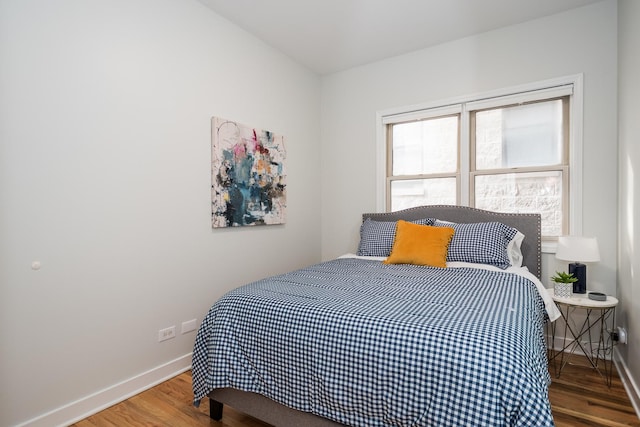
(248, 183)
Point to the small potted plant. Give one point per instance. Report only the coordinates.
(563, 286)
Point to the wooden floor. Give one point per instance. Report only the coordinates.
(578, 398)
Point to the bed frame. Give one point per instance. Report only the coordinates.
(276, 414)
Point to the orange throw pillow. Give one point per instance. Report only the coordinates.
(420, 245)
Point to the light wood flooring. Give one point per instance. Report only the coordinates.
(579, 397)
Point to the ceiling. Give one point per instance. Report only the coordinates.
(333, 35)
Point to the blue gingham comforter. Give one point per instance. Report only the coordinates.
(368, 344)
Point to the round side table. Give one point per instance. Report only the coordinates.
(594, 342)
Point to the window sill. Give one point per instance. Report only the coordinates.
(549, 247)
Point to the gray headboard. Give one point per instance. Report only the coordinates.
(527, 224)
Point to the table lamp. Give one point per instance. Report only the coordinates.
(578, 250)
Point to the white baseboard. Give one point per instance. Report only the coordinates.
(627, 380)
(96, 402)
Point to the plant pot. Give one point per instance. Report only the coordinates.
(563, 290)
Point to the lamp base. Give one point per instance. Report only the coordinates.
(580, 272)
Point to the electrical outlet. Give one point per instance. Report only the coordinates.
(619, 335)
(189, 325)
(166, 333)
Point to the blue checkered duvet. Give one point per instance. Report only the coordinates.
(368, 344)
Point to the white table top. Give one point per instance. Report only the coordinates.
(583, 300)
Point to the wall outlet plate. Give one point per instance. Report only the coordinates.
(189, 325)
(166, 333)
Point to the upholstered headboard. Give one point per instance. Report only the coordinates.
(527, 224)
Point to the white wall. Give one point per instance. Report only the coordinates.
(104, 170)
(105, 112)
(628, 313)
(579, 41)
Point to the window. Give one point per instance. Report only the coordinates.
(424, 162)
(509, 153)
(520, 161)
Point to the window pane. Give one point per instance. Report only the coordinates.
(418, 192)
(535, 192)
(524, 135)
(426, 146)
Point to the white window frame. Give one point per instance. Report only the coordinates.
(516, 94)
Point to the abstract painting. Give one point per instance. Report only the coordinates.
(248, 180)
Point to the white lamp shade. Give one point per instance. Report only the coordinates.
(578, 249)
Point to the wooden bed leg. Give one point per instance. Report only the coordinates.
(215, 410)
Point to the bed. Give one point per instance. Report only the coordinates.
(376, 338)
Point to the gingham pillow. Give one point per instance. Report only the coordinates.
(492, 243)
(376, 237)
